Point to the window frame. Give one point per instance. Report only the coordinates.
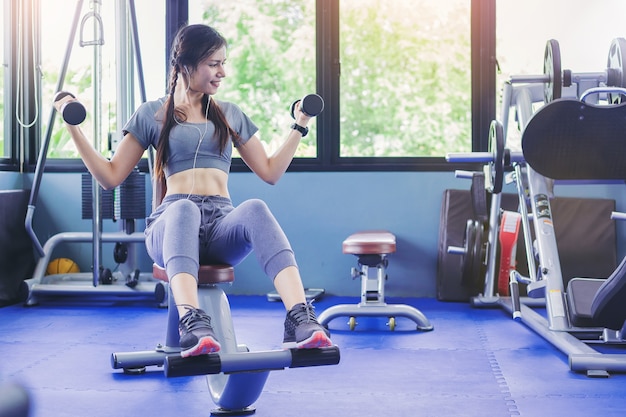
(8, 161)
(328, 70)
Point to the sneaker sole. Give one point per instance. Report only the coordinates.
(204, 346)
(316, 340)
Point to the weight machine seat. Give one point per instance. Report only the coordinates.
(207, 274)
(599, 302)
(569, 139)
(580, 293)
(371, 248)
(608, 308)
(375, 242)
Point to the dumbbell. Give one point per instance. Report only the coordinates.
(73, 112)
(312, 105)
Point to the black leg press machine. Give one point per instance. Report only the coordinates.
(568, 140)
(235, 375)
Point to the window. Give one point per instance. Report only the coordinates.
(100, 98)
(3, 82)
(405, 80)
(151, 31)
(93, 84)
(271, 60)
(583, 30)
(405, 77)
(395, 74)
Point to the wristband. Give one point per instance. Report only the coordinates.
(302, 130)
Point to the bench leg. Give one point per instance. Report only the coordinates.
(373, 298)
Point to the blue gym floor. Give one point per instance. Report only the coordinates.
(476, 362)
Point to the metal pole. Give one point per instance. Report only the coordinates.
(97, 42)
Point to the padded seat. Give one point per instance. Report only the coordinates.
(207, 274)
(608, 307)
(371, 248)
(599, 302)
(369, 243)
(580, 294)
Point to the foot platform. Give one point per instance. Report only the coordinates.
(271, 360)
(371, 249)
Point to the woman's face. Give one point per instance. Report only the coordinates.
(209, 73)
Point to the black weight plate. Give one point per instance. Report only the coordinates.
(552, 69)
(480, 246)
(479, 196)
(473, 265)
(468, 257)
(496, 166)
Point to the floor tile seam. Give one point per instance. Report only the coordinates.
(59, 346)
(173, 389)
(385, 394)
(577, 396)
(40, 360)
(430, 349)
(496, 369)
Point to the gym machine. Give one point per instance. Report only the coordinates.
(235, 375)
(135, 284)
(577, 134)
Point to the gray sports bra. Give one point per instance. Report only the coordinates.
(191, 144)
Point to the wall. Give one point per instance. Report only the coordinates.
(317, 211)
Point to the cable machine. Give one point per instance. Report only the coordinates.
(121, 202)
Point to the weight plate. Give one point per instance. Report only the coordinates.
(496, 166)
(468, 257)
(473, 261)
(479, 255)
(478, 193)
(552, 70)
(616, 71)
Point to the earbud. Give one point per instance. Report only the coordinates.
(188, 78)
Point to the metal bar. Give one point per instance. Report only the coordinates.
(53, 241)
(528, 240)
(43, 152)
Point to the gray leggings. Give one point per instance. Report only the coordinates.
(186, 231)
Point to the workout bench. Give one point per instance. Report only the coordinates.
(371, 248)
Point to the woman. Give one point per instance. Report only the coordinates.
(193, 135)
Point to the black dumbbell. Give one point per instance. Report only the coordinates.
(73, 112)
(312, 105)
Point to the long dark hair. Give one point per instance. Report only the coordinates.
(192, 44)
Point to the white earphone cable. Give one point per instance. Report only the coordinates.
(200, 139)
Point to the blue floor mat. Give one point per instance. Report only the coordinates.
(476, 362)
